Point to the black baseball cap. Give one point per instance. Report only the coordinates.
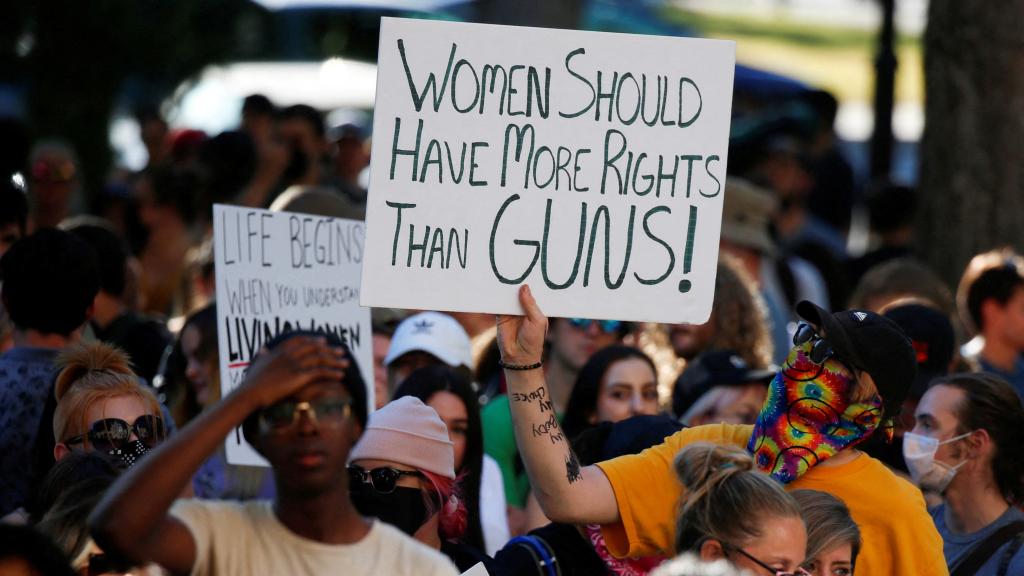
(872, 343)
(931, 334)
(714, 368)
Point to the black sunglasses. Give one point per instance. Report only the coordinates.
(114, 434)
(821, 350)
(382, 479)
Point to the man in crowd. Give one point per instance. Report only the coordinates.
(144, 339)
(49, 282)
(968, 446)
(426, 339)
(991, 300)
(844, 378)
(303, 131)
(302, 406)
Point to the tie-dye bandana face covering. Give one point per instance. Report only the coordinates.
(807, 417)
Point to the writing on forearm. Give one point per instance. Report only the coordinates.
(550, 429)
(539, 396)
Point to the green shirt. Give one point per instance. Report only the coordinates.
(500, 444)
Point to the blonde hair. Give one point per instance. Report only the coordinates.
(828, 521)
(726, 498)
(90, 373)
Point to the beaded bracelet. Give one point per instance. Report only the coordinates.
(520, 366)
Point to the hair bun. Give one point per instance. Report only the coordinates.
(82, 359)
(701, 464)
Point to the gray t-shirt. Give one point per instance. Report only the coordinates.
(957, 546)
(247, 538)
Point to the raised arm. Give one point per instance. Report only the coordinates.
(566, 492)
(133, 520)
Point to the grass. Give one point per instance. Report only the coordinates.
(837, 59)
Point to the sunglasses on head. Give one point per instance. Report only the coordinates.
(774, 571)
(382, 479)
(606, 326)
(821, 350)
(114, 434)
(322, 412)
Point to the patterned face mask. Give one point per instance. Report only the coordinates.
(807, 417)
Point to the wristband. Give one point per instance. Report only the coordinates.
(506, 366)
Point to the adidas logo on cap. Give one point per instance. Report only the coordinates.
(422, 327)
(860, 316)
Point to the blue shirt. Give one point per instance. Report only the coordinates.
(1015, 377)
(957, 546)
(26, 380)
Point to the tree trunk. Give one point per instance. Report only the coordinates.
(972, 150)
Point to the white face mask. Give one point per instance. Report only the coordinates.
(919, 454)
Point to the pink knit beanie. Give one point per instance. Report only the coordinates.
(407, 431)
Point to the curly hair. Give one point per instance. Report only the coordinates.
(739, 315)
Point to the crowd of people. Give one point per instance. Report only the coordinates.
(837, 414)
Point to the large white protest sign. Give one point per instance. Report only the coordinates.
(589, 165)
(278, 272)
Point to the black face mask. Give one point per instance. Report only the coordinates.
(129, 453)
(404, 508)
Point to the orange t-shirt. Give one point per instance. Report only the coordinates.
(899, 537)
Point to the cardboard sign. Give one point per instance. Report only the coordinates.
(589, 165)
(278, 272)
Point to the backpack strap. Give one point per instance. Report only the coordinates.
(982, 551)
(1011, 551)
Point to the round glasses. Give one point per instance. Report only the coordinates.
(382, 479)
(114, 434)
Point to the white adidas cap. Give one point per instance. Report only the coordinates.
(434, 333)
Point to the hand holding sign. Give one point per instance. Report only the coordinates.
(521, 338)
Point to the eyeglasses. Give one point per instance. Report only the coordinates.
(776, 572)
(606, 326)
(322, 412)
(114, 434)
(383, 479)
